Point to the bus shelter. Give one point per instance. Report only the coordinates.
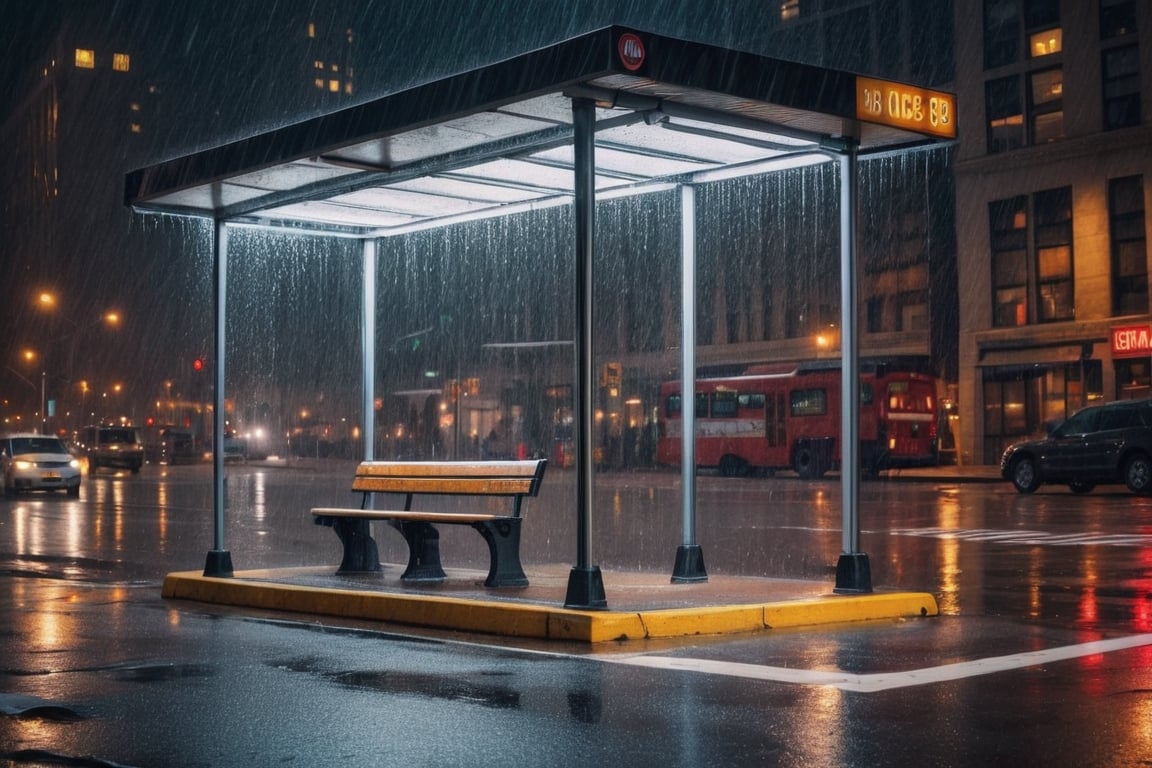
(610, 113)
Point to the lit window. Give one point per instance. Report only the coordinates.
(120, 62)
(1052, 240)
(319, 83)
(134, 127)
(1037, 263)
(134, 106)
(317, 64)
(1009, 240)
(335, 67)
(1046, 92)
(789, 9)
(85, 58)
(1002, 104)
(348, 88)
(334, 86)
(1046, 43)
(311, 31)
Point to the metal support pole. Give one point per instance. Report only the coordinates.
(585, 583)
(368, 350)
(853, 572)
(689, 565)
(219, 560)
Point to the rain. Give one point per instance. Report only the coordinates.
(475, 321)
(475, 325)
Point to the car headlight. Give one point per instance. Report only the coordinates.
(20, 464)
(75, 464)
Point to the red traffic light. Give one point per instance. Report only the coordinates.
(198, 364)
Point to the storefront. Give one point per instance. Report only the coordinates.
(1029, 382)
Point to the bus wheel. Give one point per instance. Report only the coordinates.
(807, 463)
(733, 466)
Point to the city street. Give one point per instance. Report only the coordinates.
(766, 240)
(1042, 654)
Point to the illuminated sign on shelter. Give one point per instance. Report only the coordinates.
(906, 106)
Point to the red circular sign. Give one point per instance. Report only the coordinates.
(631, 49)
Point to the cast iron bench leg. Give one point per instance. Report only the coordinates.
(423, 552)
(360, 553)
(503, 537)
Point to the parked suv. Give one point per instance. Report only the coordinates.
(113, 447)
(1109, 443)
(38, 463)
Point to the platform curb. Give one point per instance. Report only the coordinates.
(541, 621)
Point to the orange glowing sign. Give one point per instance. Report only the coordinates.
(906, 106)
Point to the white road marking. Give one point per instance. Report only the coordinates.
(1028, 538)
(884, 681)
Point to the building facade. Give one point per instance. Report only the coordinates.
(1053, 172)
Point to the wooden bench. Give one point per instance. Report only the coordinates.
(511, 479)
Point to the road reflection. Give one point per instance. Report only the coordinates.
(981, 548)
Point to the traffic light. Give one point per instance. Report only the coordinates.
(198, 364)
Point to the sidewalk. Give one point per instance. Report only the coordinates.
(640, 605)
(979, 473)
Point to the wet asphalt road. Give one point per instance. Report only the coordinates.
(1043, 654)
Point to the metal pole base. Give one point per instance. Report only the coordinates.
(689, 565)
(586, 589)
(218, 563)
(853, 574)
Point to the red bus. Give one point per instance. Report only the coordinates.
(764, 421)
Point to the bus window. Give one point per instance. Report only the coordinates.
(751, 401)
(809, 402)
(723, 404)
(673, 405)
(904, 399)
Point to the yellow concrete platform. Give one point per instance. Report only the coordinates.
(640, 605)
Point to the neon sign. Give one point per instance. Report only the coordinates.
(1131, 341)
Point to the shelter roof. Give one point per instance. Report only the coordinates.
(498, 139)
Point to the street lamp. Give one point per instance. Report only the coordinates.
(48, 301)
(30, 356)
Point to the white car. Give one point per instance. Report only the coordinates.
(38, 463)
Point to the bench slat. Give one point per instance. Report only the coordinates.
(526, 469)
(413, 515)
(467, 486)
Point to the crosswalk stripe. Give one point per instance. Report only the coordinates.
(884, 681)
